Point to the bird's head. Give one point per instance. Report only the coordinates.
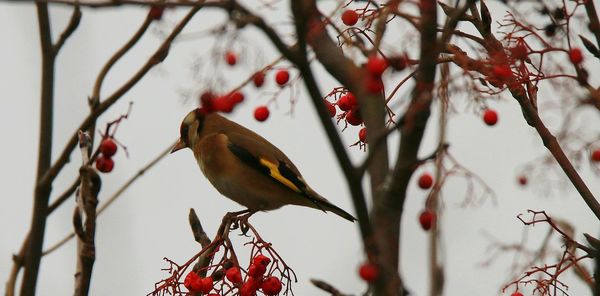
(190, 129)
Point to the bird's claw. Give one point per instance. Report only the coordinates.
(240, 220)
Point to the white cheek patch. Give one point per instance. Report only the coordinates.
(189, 118)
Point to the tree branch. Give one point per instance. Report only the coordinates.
(159, 55)
(71, 26)
(95, 99)
(388, 211)
(115, 196)
(42, 190)
(87, 203)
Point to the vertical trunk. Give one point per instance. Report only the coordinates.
(42, 191)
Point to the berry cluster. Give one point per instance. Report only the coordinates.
(427, 216)
(348, 104)
(221, 103)
(259, 277)
(104, 162)
(211, 102)
(220, 273)
(256, 279)
(375, 67)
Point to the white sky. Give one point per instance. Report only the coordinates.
(149, 221)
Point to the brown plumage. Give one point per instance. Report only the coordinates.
(245, 167)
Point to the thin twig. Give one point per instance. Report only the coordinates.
(114, 197)
(327, 287)
(69, 29)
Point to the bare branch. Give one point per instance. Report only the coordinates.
(327, 287)
(95, 99)
(199, 233)
(88, 201)
(42, 190)
(71, 27)
(115, 195)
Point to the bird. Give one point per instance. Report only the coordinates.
(245, 167)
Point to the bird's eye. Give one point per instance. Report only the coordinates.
(183, 130)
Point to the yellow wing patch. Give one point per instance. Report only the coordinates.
(274, 172)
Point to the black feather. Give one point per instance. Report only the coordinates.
(247, 157)
(254, 162)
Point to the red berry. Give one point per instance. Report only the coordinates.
(502, 72)
(522, 180)
(576, 56)
(426, 219)
(353, 117)
(223, 104)
(349, 17)
(236, 97)
(352, 99)
(206, 100)
(250, 286)
(156, 12)
(425, 181)
(376, 65)
(271, 286)
(374, 84)
(362, 135)
(330, 108)
(596, 155)
(347, 102)
(368, 272)
(246, 290)
(490, 117)
(108, 147)
(261, 113)
(259, 79)
(105, 164)
(234, 275)
(230, 58)
(519, 52)
(397, 63)
(256, 270)
(205, 285)
(516, 294)
(189, 281)
(261, 259)
(344, 104)
(282, 77)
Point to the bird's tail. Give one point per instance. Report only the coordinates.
(327, 206)
(319, 202)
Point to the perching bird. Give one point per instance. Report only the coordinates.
(245, 167)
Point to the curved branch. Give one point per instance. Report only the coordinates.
(156, 58)
(71, 26)
(113, 59)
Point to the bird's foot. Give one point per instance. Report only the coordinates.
(240, 219)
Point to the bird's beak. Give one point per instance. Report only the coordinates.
(178, 146)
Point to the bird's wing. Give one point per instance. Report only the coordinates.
(270, 161)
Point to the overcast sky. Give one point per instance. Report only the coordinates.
(149, 221)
